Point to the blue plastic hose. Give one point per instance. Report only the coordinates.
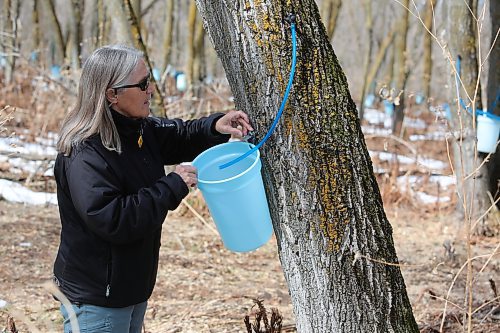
(478, 111)
(282, 107)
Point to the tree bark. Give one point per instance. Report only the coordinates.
(103, 23)
(324, 200)
(191, 52)
(36, 30)
(157, 106)
(330, 13)
(493, 93)
(367, 4)
(400, 68)
(58, 39)
(472, 192)
(199, 65)
(75, 40)
(430, 7)
(9, 41)
(167, 33)
(116, 10)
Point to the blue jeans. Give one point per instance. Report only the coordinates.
(93, 318)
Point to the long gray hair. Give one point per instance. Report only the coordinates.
(107, 67)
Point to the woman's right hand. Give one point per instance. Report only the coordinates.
(188, 174)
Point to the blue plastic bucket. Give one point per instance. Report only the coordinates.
(235, 195)
(488, 129)
(388, 108)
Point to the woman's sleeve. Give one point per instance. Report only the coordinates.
(182, 141)
(113, 215)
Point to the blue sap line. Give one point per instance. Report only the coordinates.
(478, 111)
(282, 107)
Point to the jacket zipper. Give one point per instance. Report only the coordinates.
(108, 278)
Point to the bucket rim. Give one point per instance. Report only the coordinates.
(235, 176)
(490, 117)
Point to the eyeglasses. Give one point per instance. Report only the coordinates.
(143, 84)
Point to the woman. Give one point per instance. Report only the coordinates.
(113, 192)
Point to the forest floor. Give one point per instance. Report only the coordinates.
(202, 287)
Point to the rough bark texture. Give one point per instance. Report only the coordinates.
(324, 200)
(472, 192)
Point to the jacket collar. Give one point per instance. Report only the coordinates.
(125, 125)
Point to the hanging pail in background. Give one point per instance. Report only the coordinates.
(388, 108)
(235, 195)
(488, 129)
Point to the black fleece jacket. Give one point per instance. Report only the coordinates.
(112, 207)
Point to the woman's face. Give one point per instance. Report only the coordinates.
(132, 101)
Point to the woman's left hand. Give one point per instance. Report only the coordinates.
(235, 123)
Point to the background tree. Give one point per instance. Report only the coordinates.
(472, 184)
(367, 4)
(58, 55)
(325, 203)
(493, 92)
(9, 42)
(330, 10)
(429, 10)
(74, 44)
(400, 67)
(167, 33)
(157, 107)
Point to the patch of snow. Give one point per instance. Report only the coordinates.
(3, 303)
(375, 130)
(430, 199)
(425, 162)
(435, 136)
(15, 192)
(374, 116)
(414, 123)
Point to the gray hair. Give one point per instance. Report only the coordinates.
(107, 67)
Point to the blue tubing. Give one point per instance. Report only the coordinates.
(478, 112)
(282, 107)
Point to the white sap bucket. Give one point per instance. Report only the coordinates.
(488, 129)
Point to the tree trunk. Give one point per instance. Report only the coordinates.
(369, 27)
(493, 93)
(199, 65)
(9, 39)
(330, 13)
(102, 19)
(58, 40)
(430, 7)
(36, 50)
(379, 58)
(167, 33)
(325, 203)
(157, 106)
(400, 68)
(472, 192)
(75, 40)
(191, 52)
(115, 9)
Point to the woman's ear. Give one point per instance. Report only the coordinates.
(111, 95)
